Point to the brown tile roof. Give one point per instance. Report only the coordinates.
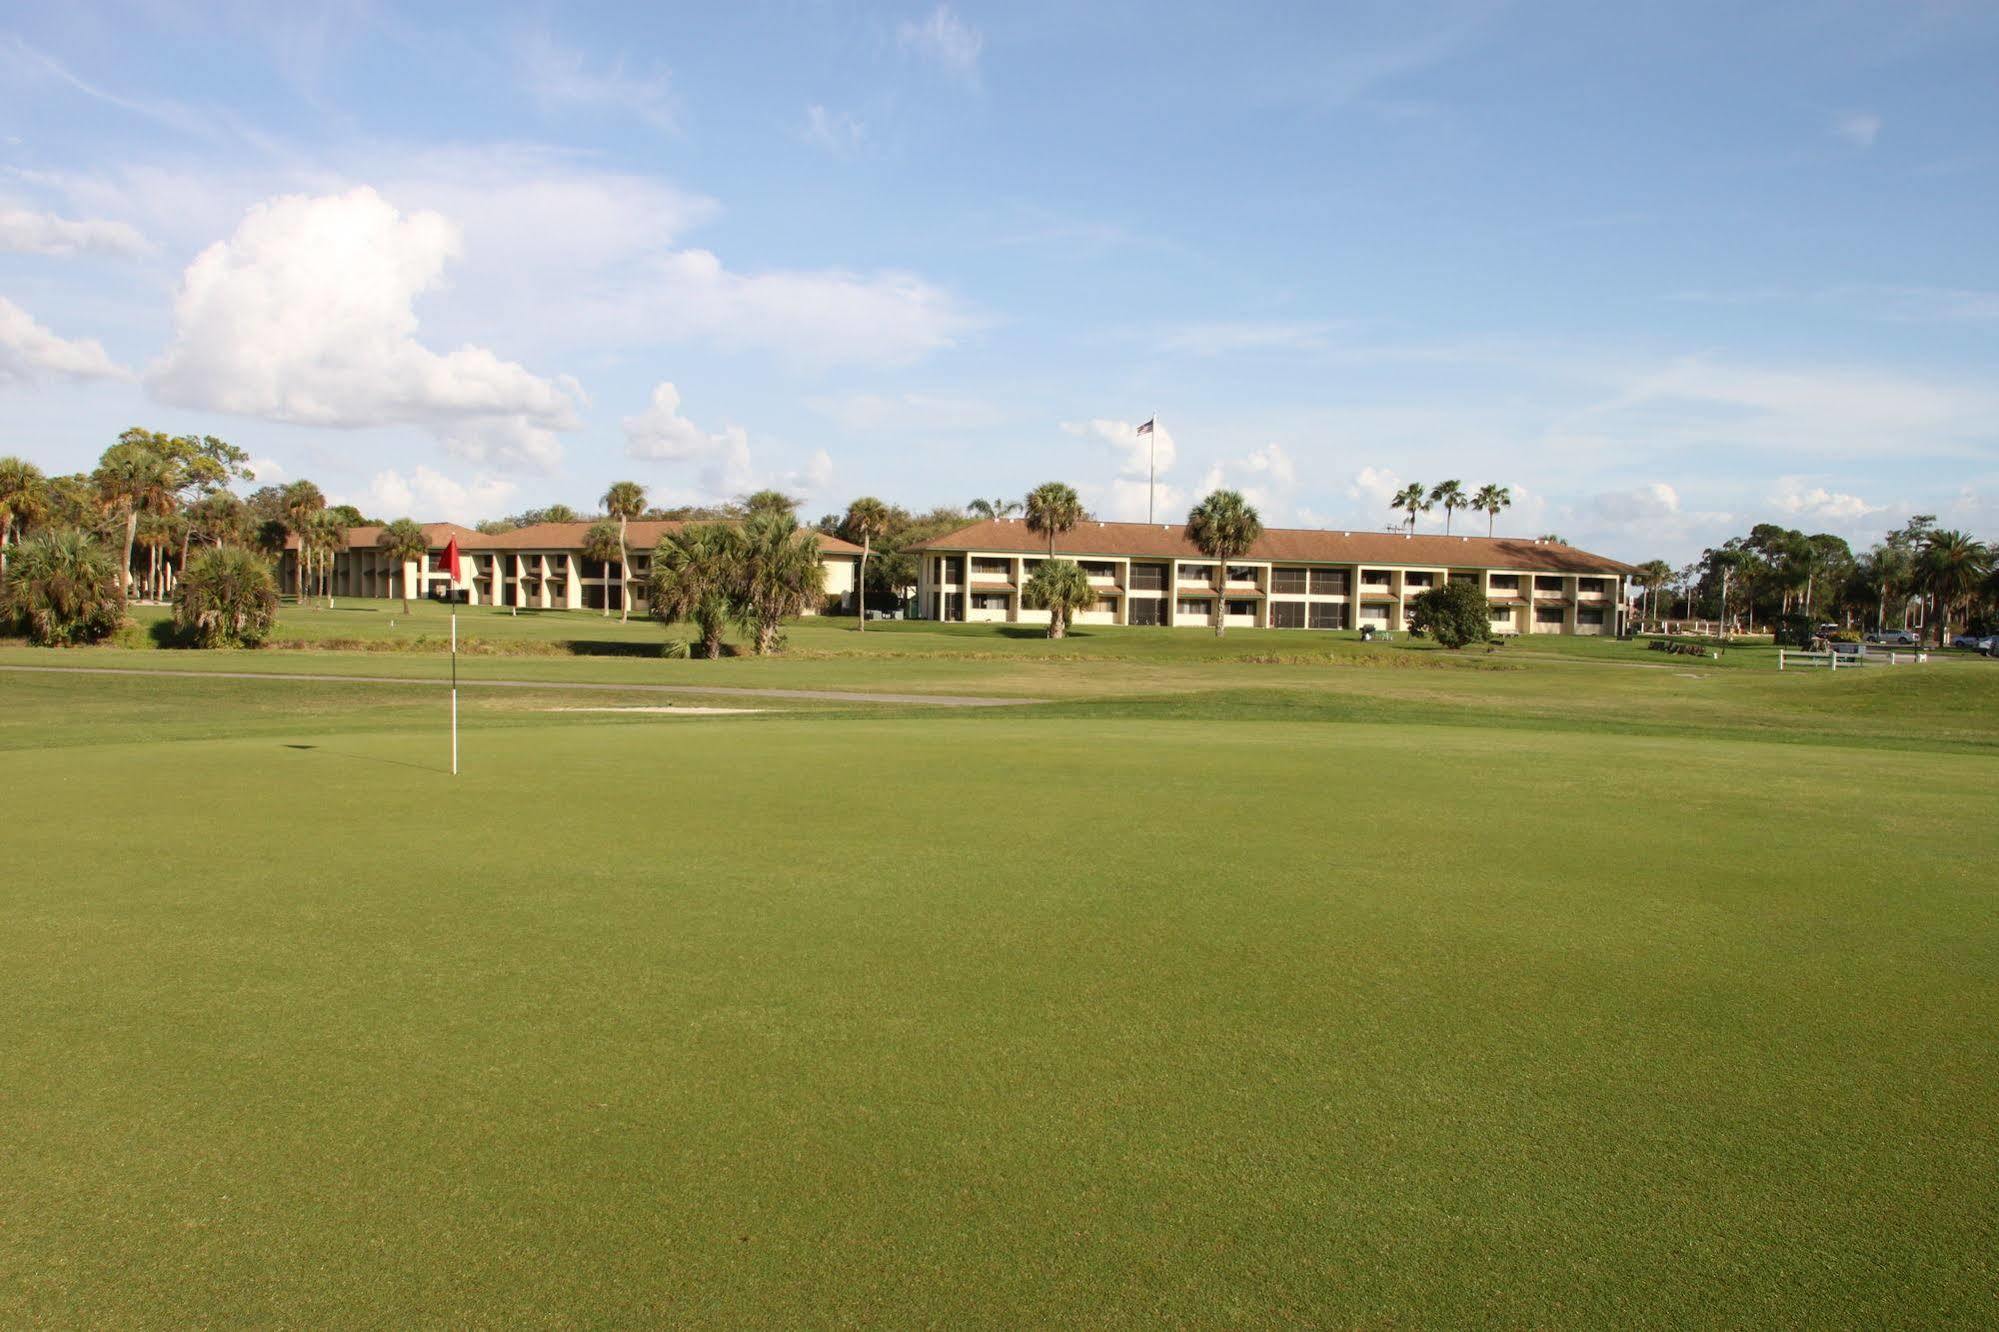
(992, 587)
(551, 536)
(1169, 541)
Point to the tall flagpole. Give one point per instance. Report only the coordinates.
(1151, 466)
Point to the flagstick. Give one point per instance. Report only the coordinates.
(454, 690)
(1151, 466)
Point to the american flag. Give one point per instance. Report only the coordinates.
(1146, 429)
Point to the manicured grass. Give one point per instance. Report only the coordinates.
(1097, 1014)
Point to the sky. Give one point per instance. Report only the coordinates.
(1664, 269)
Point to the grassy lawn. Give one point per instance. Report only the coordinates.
(1213, 990)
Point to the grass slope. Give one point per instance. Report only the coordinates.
(1057, 1019)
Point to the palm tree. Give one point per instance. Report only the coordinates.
(1052, 509)
(1652, 576)
(693, 577)
(778, 575)
(24, 501)
(217, 519)
(625, 500)
(1061, 588)
(867, 519)
(226, 598)
(1951, 567)
(603, 544)
(301, 500)
(64, 590)
(323, 536)
(1224, 526)
(1412, 499)
(1450, 494)
(769, 501)
(155, 533)
(132, 479)
(993, 508)
(402, 542)
(1489, 500)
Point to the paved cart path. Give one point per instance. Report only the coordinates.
(743, 691)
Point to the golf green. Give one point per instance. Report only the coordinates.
(1042, 1018)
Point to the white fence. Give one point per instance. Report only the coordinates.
(1793, 659)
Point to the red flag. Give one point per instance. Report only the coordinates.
(451, 564)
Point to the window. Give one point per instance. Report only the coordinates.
(1418, 580)
(1374, 615)
(1328, 617)
(1288, 580)
(1287, 614)
(1506, 582)
(1242, 573)
(1374, 580)
(1329, 582)
(1543, 583)
(1098, 568)
(947, 570)
(989, 601)
(1148, 577)
(1148, 610)
(1547, 615)
(1457, 578)
(1501, 615)
(1198, 573)
(1189, 609)
(1242, 608)
(990, 568)
(1590, 615)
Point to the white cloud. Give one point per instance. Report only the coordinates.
(1266, 477)
(306, 314)
(24, 232)
(557, 78)
(945, 40)
(1374, 487)
(1859, 128)
(429, 496)
(1123, 500)
(28, 351)
(1136, 453)
(267, 470)
(835, 131)
(1794, 497)
(828, 317)
(1649, 503)
(661, 434)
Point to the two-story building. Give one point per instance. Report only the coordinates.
(1293, 578)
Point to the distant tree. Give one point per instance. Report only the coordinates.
(993, 508)
(1450, 495)
(693, 579)
(1412, 499)
(346, 515)
(226, 598)
(1223, 527)
(134, 478)
(494, 526)
(867, 522)
(1455, 614)
(1052, 509)
(301, 503)
(403, 542)
(156, 532)
(1551, 538)
(1951, 567)
(778, 575)
(762, 502)
(24, 501)
(1061, 588)
(64, 590)
(624, 501)
(603, 544)
(217, 519)
(1651, 576)
(1489, 500)
(322, 538)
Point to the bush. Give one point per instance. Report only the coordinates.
(1798, 631)
(1455, 614)
(226, 598)
(62, 590)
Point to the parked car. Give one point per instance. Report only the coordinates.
(1975, 642)
(1892, 638)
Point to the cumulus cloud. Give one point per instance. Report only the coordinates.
(23, 232)
(828, 317)
(306, 314)
(1650, 502)
(1266, 477)
(430, 496)
(945, 40)
(28, 351)
(661, 434)
(1859, 128)
(1135, 452)
(1374, 487)
(1795, 497)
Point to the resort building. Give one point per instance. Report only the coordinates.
(541, 567)
(1293, 578)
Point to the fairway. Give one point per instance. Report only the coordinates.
(1052, 1015)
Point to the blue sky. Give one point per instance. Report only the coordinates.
(1664, 269)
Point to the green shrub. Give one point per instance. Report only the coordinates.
(226, 598)
(1455, 614)
(62, 590)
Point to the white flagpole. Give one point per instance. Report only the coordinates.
(1151, 466)
(454, 689)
